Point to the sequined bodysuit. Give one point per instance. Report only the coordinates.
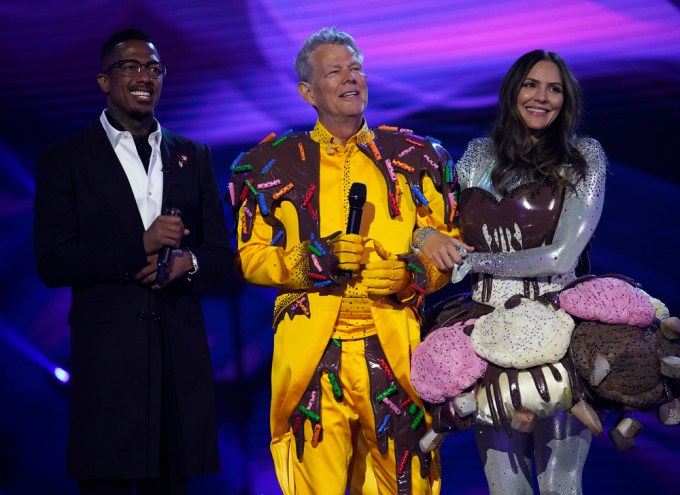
(528, 243)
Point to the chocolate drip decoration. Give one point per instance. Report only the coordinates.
(309, 407)
(513, 384)
(539, 380)
(445, 419)
(491, 382)
(396, 416)
(265, 185)
(513, 301)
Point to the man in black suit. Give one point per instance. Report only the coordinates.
(107, 225)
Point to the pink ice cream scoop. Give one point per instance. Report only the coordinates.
(444, 364)
(608, 300)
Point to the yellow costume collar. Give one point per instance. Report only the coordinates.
(321, 135)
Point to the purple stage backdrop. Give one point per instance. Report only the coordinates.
(433, 66)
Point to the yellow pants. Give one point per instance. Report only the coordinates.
(347, 454)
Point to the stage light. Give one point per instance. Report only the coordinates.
(62, 375)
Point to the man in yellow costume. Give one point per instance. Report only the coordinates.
(343, 411)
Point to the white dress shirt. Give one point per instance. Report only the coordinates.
(147, 187)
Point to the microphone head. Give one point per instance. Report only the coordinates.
(357, 195)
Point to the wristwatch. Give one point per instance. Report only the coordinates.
(194, 263)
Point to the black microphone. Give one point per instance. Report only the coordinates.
(357, 198)
(176, 196)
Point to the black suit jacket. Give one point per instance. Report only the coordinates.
(88, 235)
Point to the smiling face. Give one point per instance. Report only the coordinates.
(131, 99)
(337, 89)
(541, 97)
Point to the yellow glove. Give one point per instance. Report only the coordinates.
(387, 276)
(349, 248)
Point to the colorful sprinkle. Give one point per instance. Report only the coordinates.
(250, 186)
(317, 265)
(454, 206)
(394, 205)
(337, 391)
(232, 194)
(239, 169)
(318, 246)
(263, 204)
(312, 398)
(375, 151)
(311, 415)
(308, 196)
(279, 141)
(283, 190)
(238, 159)
(313, 249)
(419, 418)
(269, 137)
(392, 406)
(244, 193)
(388, 372)
(406, 151)
(316, 435)
(415, 268)
(423, 200)
(267, 185)
(432, 163)
(448, 168)
(276, 238)
(389, 391)
(268, 166)
(403, 462)
(383, 425)
(301, 304)
(390, 169)
(403, 166)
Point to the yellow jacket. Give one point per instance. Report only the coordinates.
(314, 158)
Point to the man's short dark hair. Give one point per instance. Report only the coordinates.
(121, 36)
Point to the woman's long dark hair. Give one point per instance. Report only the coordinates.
(517, 154)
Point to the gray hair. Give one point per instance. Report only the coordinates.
(325, 36)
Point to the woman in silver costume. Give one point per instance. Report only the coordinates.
(531, 195)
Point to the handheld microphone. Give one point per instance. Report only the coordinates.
(166, 251)
(176, 196)
(357, 198)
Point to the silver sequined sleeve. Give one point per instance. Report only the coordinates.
(579, 217)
